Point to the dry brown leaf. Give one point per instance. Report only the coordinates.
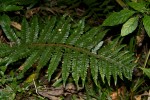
(51, 97)
(140, 38)
(116, 94)
(138, 97)
(21, 68)
(70, 87)
(31, 12)
(52, 92)
(148, 95)
(16, 25)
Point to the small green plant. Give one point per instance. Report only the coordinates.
(136, 13)
(97, 93)
(9, 86)
(7, 93)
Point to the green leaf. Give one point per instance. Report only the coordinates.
(34, 29)
(5, 23)
(84, 63)
(75, 67)
(146, 71)
(45, 57)
(129, 26)
(47, 31)
(5, 49)
(85, 39)
(19, 53)
(118, 17)
(102, 70)
(77, 33)
(30, 61)
(3, 68)
(10, 8)
(139, 6)
(146, 22)
(94, 69)
(25, 31)
(54, 63)
(62, 29)
(7, 93)
(66, 66)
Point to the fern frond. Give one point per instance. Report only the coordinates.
(60, 41)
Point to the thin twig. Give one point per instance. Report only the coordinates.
(146, 60)
(121, 3)
(35, 87)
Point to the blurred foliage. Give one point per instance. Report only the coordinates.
(15, 5)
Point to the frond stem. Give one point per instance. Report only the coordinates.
(82, 50)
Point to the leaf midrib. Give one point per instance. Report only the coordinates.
(82, 50)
